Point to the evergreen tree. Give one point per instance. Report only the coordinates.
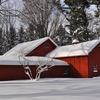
(61, 37)
(31, 34)
(12, 36)
(1, 40)
(78, 19)
(9, 38)
(22, 35)
(6, 40)
(80, 22)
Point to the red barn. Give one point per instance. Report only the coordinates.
(77, 60)
(39, 47)
(84, 58)
(15, 68)
(30, 54)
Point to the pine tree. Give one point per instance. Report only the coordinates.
(1, 40)
(22, 35)
(12, 36)
(81, 23)
(31, 34)
(61, 37)
(78, 19)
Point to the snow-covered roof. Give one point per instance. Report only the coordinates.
(33, 60)
(79, 49)
(27, 47)
(75, 41)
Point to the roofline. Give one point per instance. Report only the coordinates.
(70, 56)
(21, 61)
(52, 41)
(46, 38)
(86, 54)
(81, 43)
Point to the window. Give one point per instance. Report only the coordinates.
(95, 69)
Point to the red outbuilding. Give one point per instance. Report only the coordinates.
(84, 58)
(15, 68)
(39, 47)
(76, 60)
(26, 57)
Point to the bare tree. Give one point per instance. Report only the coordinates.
(42, 17)
(43, 67)
(25, 64)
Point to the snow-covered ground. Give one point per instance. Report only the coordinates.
(51, 89)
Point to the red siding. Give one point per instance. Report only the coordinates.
(43, 49)
(94, 61)
(79, 66)
(57, 71)
(10, 72)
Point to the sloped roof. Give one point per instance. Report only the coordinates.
(79, 49)
(33, 60)
(26, 47)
